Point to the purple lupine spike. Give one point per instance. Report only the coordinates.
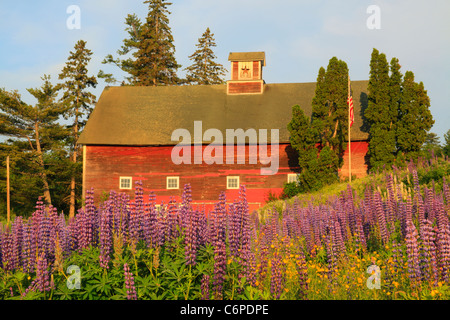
(443, 240)
(42, 273)
(205, 287)
(7, 250)
(202, 229)
(220, 265)
(360, 237)
(427, 261)
(172, 230)
(191, 238)
(105, 235)
(413, 253)
(72, 237)
(163, 225)
(381, 218)
(247, 255)
(234, 229)
(276, 277)
(129, 283)
(17, 240)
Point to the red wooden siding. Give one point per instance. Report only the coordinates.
(244, 87)
(105, 164)
(256, 70)
(235, 72)
(359, 167)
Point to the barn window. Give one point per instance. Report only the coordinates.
(233, 182)
(125, 182)
(173, 182)
(292, 177)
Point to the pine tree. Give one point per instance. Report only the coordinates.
(129, 46)
(78, 101)
(151, 47)
(36, 128)
(204, 70)
(381, 113)
(415, 118)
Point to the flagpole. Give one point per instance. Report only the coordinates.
(349, 139)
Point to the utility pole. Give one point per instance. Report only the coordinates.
(8, 208)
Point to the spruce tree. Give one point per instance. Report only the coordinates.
(78, 101)
(415, 118)
(204, 70)
(151, 47)
(36, 128)
(381, 113)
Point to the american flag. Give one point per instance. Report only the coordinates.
(350, 105)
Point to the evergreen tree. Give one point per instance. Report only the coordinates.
(381, 113)
(129, 46)
(204, 70)
(415, 118)
(35, 127)
(150, 44)
(78, 100)
(318, 165)
(432, 145)
(329, 107)
(446, 147)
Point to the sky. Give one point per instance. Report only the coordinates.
(298, 37)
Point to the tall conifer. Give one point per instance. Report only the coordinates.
(204, 70)
(78, 100)
(381, 113)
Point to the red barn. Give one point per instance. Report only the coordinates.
(168, 136)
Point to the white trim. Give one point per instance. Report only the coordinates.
(125, 188)
(178, 183)
(228, 182)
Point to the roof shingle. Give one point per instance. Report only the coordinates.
(127, 115)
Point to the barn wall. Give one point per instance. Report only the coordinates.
(105, 164)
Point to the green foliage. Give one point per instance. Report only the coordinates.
(381, 113)
(320, 141)
(446, 147)
(35, 129)
(149, 50)
(415, 118)
(204, 70)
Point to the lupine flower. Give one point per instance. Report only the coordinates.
(412, 251)
(276, 277)
(205, 287)
(129, 283)
(42, 273)
(220, 265)
(105, 235)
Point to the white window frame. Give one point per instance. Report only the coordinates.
(172, 177)
(292, 175)
(231, 178)
(121, 179)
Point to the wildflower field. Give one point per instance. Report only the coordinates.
(390, 242)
